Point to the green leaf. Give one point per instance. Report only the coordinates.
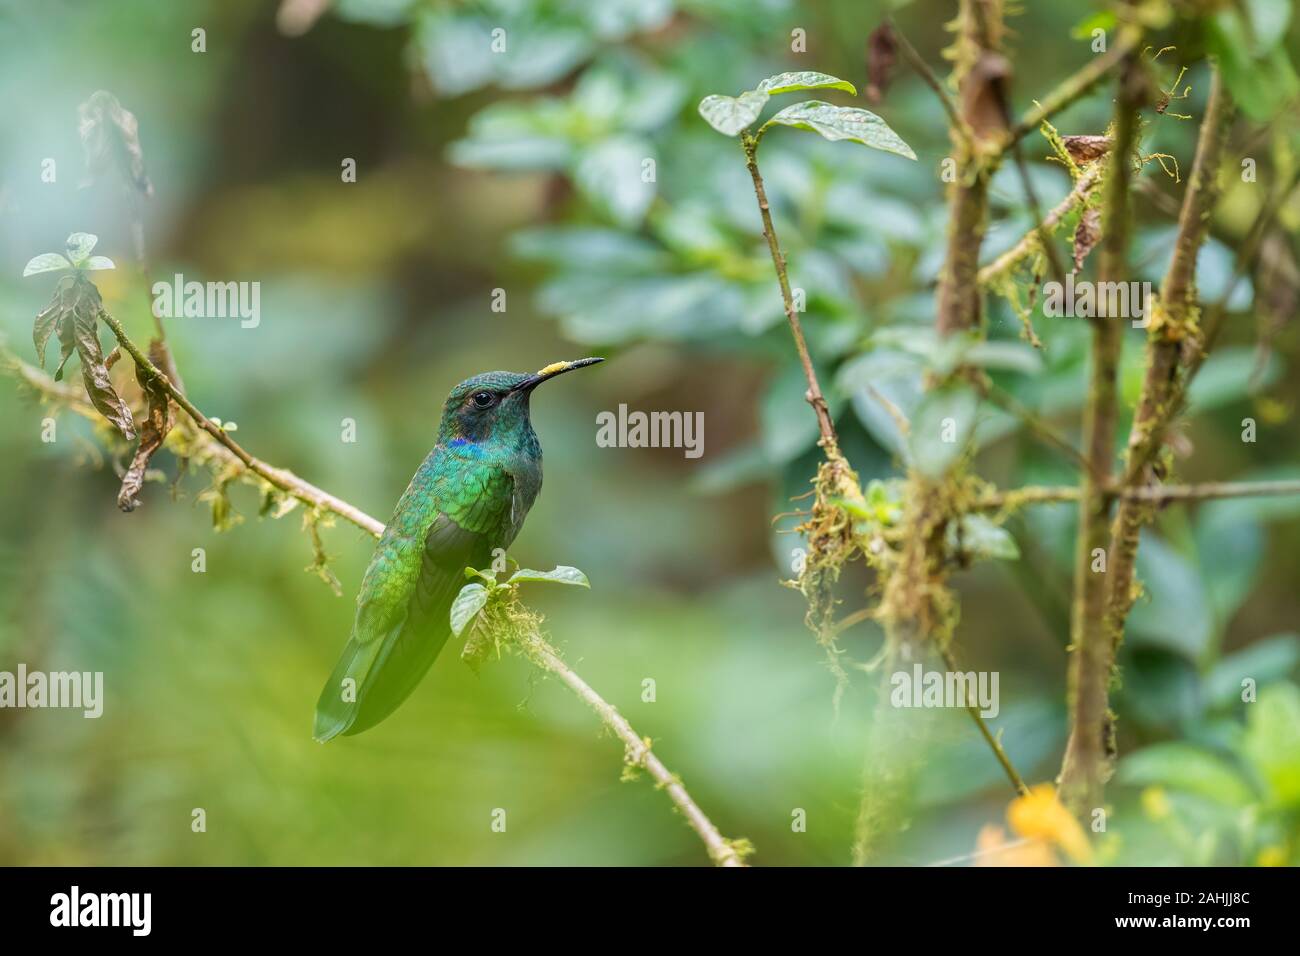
(787, 423)
(80, 245)
(509, 136)
(980, 537)
(609, 174)
(99, 262)
(879, 376)
(465, 608)
(1175, 611)
(560, 575)
(1188, 769)
(1229, 375)
(842, 123)
(46, 321)
(489, 575)
(1101, 20)
(1004, 356)
(49, 262)
(803, 80)
(731, 114)
(1266, 661)
(1269, 20)
(1263, 81)
(584, 248)
(941, 428)
(1272, 730)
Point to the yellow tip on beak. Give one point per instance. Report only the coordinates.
(552, 370)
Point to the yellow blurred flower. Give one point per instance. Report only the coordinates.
(994, 848)
(1271, 856)
(1155, 803)
(1040, 815)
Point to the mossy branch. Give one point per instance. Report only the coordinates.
(917, 610)
(1087, 676)
(280, 478)
(638, 753)
(1174, 328)
(1016, 498)
(722, 851)
(1031, 241)
(1102, 601)
(1075, 86)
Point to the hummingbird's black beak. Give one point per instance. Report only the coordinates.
(552, 370)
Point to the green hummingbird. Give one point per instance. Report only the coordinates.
(469, 497)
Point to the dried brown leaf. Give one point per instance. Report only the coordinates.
(1086, 149)
(882, 54)
(83, 319)
(110, 137)
(983, 96)
(152, 432)
(56, 317)
(1086, 235)
(46, 322)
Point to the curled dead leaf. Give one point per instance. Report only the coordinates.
(73, 313)
(110, 137)
(153, 432)
(1086, 235)
(84, 320)
(882, 54)
(983, 97)
(1086, 149)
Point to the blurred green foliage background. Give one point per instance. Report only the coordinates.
(521, 172)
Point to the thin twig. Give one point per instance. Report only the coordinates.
(722, 851)
(814, 395)
(1028, 242)
(1174, 321)
(850, 620)
(927, 75)
(1041, 228)
(1212, 322)
(1073, 87)
(281, 478)
(967, 857)
(1033, 421)
(994, 744)
(1152, 494)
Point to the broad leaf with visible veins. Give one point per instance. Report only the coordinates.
(804, 80)
(843, 123)
(731, 114)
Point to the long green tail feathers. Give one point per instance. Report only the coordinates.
(340, 700)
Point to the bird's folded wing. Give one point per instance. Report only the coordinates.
(403, 614)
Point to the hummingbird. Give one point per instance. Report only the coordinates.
(469, 497)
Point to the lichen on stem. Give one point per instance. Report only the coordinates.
(1086, 697)
(532, 645)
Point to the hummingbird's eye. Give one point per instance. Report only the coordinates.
(483, 399)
